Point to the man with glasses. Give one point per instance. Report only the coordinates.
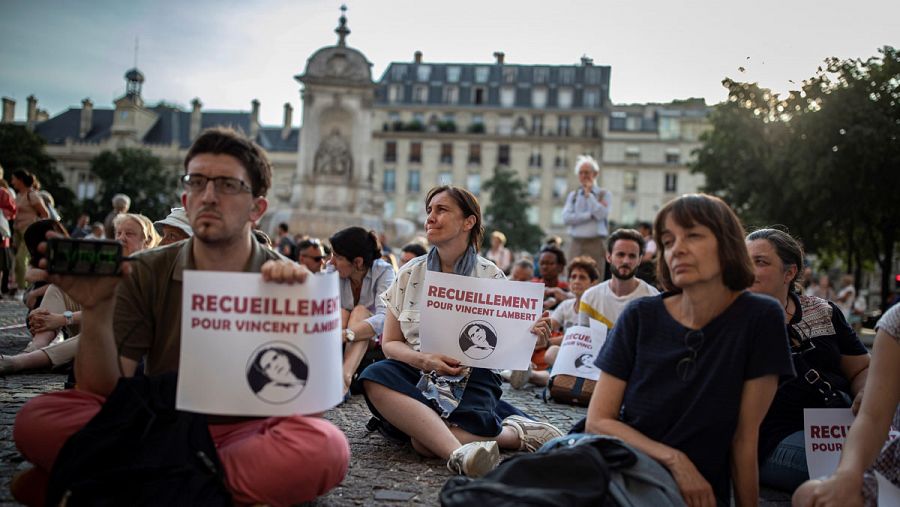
(312, 254)
(276, 460)
(604, 302)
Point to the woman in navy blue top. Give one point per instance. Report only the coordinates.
(688, 375)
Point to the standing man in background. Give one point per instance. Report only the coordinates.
(586, 214)
(121, 204)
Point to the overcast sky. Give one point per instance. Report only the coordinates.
(229, 52)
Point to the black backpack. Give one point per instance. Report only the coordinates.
(576, 470)
(138, 450)
(569, 476)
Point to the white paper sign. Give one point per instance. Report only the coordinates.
(482, 322)
(888, 494)
(825, 430)
(578, 350)
(252, 348)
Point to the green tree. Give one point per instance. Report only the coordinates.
(138, 174)
(825, 160)
(21, 148)
(506, 212)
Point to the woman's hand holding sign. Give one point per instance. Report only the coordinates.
(541, 328)
(443, 365)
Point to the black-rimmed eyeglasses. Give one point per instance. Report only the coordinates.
(222, 184)
(693, 340)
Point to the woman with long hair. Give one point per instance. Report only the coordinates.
(445, 409)
(687, 375)
(364, 276)
(498, 253)
(29, 209)
(830, 361)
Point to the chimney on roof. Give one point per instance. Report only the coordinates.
(31, 117)
(87, 118)
(417, 57)
(288, 114)
(196, 117)
(254, 119)
(42, 115)
(499, 55)
(9, 110)
(586, 61)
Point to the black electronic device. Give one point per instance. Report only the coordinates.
(67, 256)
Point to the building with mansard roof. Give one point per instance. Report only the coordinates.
(77, 135)
(374, 148)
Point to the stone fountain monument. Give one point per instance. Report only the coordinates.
(333, 184)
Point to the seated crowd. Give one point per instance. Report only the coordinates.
(710, 359)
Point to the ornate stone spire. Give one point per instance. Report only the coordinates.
(342, 29)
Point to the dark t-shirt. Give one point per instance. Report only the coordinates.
(287, 247)
(697, 416)
(819, 337)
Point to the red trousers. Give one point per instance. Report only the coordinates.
(275, 461)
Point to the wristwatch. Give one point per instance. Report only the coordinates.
(350, 335)
(70, 317)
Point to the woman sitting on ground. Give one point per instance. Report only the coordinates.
(364, 276)
(687, 376)
(136, 233)
(583, 274)
(431, 398)
(854, 483)
(829, 359)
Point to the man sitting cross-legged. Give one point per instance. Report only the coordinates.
(276, 460)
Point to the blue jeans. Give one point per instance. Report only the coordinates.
(785, 468)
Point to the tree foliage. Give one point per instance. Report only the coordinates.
(824, 161)
(506, 212)
(138, 174)
(22, 149)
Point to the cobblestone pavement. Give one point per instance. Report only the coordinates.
(381, 472)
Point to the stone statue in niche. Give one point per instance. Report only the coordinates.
(333, 156)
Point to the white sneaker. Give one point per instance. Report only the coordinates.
(519, 378)
(475, 459)
(532, 434)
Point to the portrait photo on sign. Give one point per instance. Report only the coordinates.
(478, 339)
(585, 363)
(277, 372)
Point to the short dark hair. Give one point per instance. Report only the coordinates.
(354, 242)
(525, 263)
(469, 205)
(308, 242)
(283, 227)
(787, 248)
(415, 248)
(627, 235)
(555, 250)
(586, 264)
(712, 212)
(225, 141)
